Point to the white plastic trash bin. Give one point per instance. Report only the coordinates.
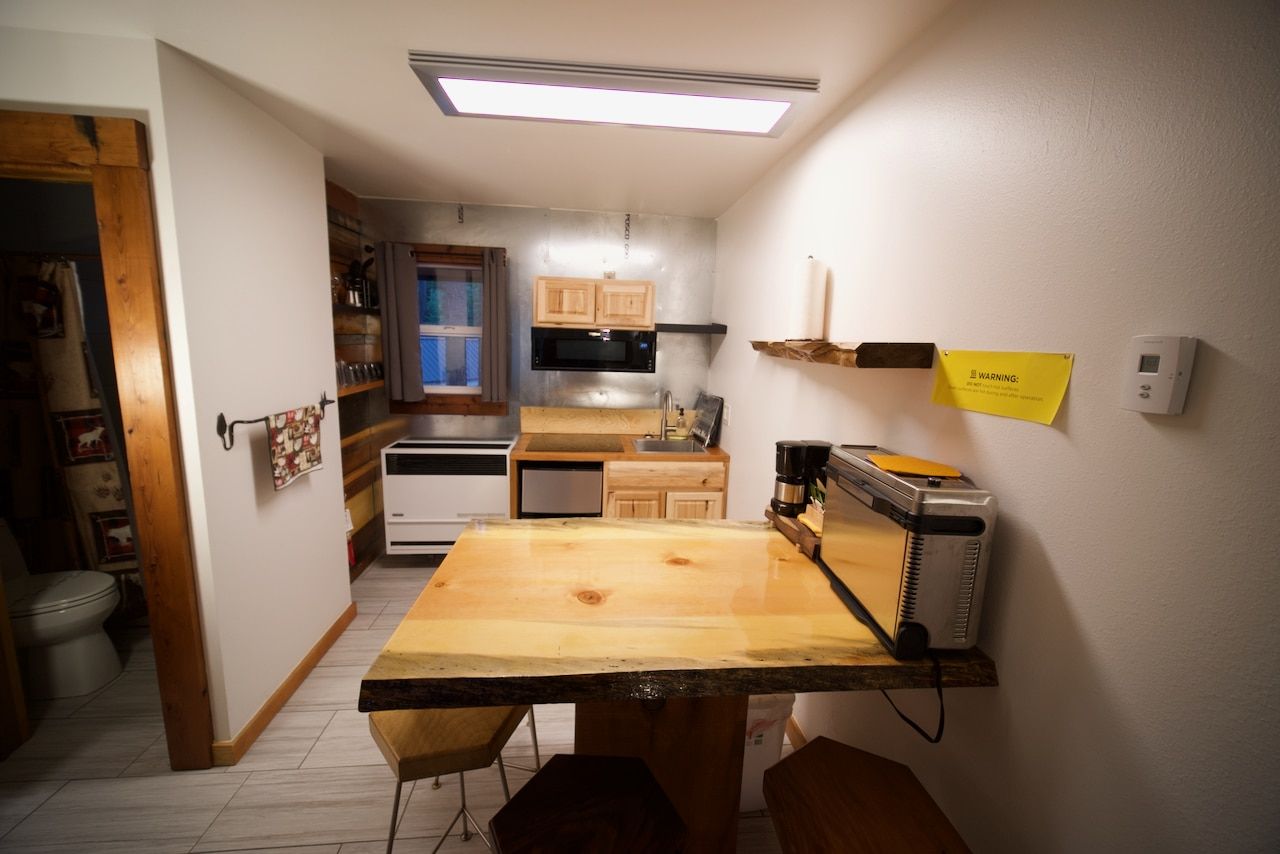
(767, 716)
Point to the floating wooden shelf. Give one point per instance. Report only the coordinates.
(866, 355)
(347, 391)
(712, 328)
(386, 426)
(339, 308)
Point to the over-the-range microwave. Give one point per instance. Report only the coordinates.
(556, 349)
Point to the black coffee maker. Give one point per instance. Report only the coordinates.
(789, 488)
(799, 464)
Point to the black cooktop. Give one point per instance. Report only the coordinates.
(575, 442)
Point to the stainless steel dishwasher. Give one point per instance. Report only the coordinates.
(554, 489)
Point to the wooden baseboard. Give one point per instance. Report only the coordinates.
(229, 752)
(795, 735)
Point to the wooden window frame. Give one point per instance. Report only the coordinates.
(449, 404)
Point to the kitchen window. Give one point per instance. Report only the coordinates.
(448, 323)
(450, 317)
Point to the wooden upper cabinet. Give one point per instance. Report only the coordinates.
(564, 302)
(624, 304)
(592, 303)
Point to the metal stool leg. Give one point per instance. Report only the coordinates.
(466, 816)
(502, 772)
(533, 730)
(436, 784)
(537, 758)
(395, 813)
(462, 788)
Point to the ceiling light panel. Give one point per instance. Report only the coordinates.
(609, 94)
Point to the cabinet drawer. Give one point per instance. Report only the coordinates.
(634, 474)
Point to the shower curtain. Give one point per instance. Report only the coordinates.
(83, 423)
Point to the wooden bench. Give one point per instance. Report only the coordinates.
(597, 804)
(830, 797)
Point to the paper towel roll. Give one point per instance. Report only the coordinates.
(807, 301)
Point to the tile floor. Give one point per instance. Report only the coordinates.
(95, 778)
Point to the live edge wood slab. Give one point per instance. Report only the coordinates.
(657, 629)
(570, 610)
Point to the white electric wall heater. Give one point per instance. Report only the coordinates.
(431, 489)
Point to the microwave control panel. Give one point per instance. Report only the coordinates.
(1157, 371)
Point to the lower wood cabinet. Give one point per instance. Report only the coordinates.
(664, 490)
(633, 505)
(694, 505)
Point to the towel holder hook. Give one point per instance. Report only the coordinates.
(227, 429)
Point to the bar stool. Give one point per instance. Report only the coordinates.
(420, 743)
(583, 803)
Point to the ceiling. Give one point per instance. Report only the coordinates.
(337, 73)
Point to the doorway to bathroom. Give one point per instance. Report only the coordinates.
(64, 483)
(110, 156)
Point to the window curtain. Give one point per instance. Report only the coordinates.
(494, 353)
(398, 272)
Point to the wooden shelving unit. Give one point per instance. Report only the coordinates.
(347, 391)
(865, 355)
(356, 310)
(363, 415)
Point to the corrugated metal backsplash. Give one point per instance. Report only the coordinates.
(676, 253)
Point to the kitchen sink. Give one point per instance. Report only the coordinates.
(669, 446)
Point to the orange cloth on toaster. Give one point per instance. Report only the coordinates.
(899, 464)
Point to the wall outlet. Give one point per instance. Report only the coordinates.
(727, 415)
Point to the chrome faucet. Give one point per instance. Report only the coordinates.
(667, 405)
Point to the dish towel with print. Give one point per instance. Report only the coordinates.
(295, 444)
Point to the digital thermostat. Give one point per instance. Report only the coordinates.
(1157, 370)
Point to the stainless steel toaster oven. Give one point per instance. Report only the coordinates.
(907, 554)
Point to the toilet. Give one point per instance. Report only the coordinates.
(57, 625)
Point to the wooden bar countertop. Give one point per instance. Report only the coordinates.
(573, 610)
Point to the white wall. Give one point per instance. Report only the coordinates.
(1059, 177)
(243, 246)
(253, 248)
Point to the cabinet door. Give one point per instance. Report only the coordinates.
(564, 302)
(633, 505)
(622, 304)
(695, 505)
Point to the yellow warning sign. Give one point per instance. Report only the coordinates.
(1029, 386)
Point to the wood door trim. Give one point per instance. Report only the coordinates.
(61, 141)
(55, 147)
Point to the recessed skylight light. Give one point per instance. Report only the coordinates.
(573, 92)
(612, 106)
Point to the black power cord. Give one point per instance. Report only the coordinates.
(942, 709)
